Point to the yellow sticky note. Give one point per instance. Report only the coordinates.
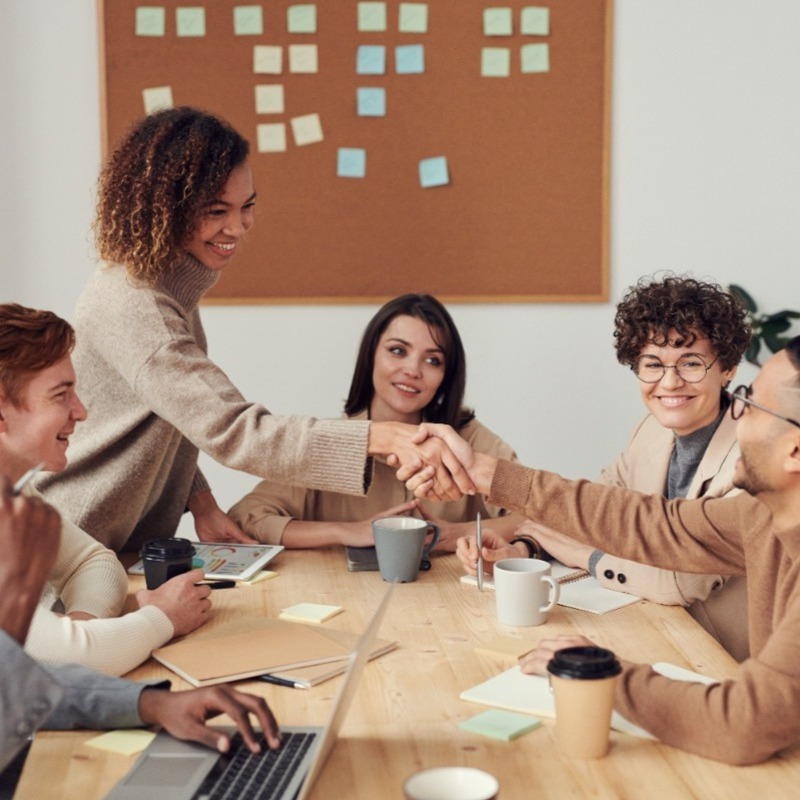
(150, 21)
(535, 57)
(266, 574)
(248, 21)
(271, 138)
(413, 18)
(269, 99)
(505, 647)
(267, 59)
(372, 16)
(303, 58)
(495, 62)
(497, 22)
(307, 129)
(126, 742)
(156, 98)
(301, 19)
(535, 21)
(310, 612)
(190, 21)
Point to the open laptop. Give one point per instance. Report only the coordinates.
(173, 770)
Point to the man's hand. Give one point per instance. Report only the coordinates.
(184, 715)
(186, 605)
(535, 662)
(495, 548)
(212, 524)
(30, 534)
(566, 550)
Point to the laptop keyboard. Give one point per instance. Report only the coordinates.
(242, 775)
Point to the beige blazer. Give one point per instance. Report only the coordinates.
(717, 602)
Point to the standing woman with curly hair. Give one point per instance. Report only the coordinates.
(175, 202)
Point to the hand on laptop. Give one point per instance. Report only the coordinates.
(184, 715)
(186, 604)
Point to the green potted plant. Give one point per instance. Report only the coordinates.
(767, 328)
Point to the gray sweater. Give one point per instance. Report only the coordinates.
(155, 399)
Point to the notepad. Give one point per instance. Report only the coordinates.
(314, 613)
(499, 724)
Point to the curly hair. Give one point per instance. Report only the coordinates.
(30, 341)
(169, 167)
(653, 310)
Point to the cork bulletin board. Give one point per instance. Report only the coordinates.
(453, 147)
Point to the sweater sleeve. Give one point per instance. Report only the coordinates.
(111, 646)
(268, 509)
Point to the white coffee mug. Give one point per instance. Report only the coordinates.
(522, 586)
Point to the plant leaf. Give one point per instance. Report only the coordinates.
(745, 298)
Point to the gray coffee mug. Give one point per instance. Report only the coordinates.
(400, 546)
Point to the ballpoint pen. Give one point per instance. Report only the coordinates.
(479, 544)
(21, 483)
(217, 584)
(280, 681)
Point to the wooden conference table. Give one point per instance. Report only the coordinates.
(406, 712)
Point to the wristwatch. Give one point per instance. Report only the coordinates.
(534, 549)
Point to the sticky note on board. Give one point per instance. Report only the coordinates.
(303, 58)
(535, 58)
(190, 21)
(248, 21)
(267, 59)
(499, 724)
(301, 18)
(413, 18)
(157, 97)
(433, 172)
(271, 137)
(534, 21)
(269, 99)
(351, 162)
(497, 22)
(371, 101)
(371, 59)
(495, 62)
(409, 59)
(371, 17)
(314, 613)
(125, 742)
(505, 647)
(150, 21)
(307, 129)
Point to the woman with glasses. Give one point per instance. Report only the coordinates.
(683, 340)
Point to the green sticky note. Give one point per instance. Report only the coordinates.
(190, 21)
(413, 18)
(302, 19)
(535, 21)
(372, 16)
(497, 22)
(150, 21)
(248, 21)
(499, 724)
(535, 57)
(495, 62)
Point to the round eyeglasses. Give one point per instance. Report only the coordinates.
(689, 368)
(740, 398)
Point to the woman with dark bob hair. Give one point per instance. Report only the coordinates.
(410, 368)
(683, 339)
(175, 201)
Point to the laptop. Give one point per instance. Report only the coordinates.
(170, 769)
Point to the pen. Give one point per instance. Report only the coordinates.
(217, 584)
(479, 544)
(280, 681)
(21, 483)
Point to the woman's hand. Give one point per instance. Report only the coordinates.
(495, 548)
(566, 550)
(212, 524)
(535, 662)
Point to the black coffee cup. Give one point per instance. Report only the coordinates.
(164, 559)
(584, 663)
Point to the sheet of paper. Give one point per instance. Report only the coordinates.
(535, 57)
(190, 21)
(303, 58)
(371, 17)
(125, 742)
(314, 613)
(413, 18)
(271, 138)
(307, 129)
(409, 59)
(267, 59)
(499, 724)
(351, 162)
(497, 22)
(433, 172)
(495, 62)
(269, 99)
(302, 18)
(157, 97)
(248, 21)
(371, 59)
(371, 101)
(150, 21)
(535, 21)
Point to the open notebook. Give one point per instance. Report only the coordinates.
(578, 590)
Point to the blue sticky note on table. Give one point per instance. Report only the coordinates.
(371, 59)
(433, 172)
(409, 59)
(351, 162)
(499, 724)
(371, 101)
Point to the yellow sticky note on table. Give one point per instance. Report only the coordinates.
(126, 742)
(505, 647)
(265, 574)
(309, 612)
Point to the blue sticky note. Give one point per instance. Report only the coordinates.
(371, 59)
(409, 59)
(248, 21)
(371, 101)
(433, 172)
(351, 162)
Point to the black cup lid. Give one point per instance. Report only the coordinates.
(586, 663)
(167, 548)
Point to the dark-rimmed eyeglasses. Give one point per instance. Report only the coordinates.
(689, 368)
(740, 397)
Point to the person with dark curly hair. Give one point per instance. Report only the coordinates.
(175, 202)
(683, 339)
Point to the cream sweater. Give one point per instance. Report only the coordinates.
(88, 577)
(155, 398)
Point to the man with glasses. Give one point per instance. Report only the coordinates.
(745, 720)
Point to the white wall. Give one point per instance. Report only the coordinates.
(705, 179)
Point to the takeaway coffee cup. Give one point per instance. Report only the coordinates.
(164, 559)
(400, 546)
(583, 680)
(522, 587)
(451, 783)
